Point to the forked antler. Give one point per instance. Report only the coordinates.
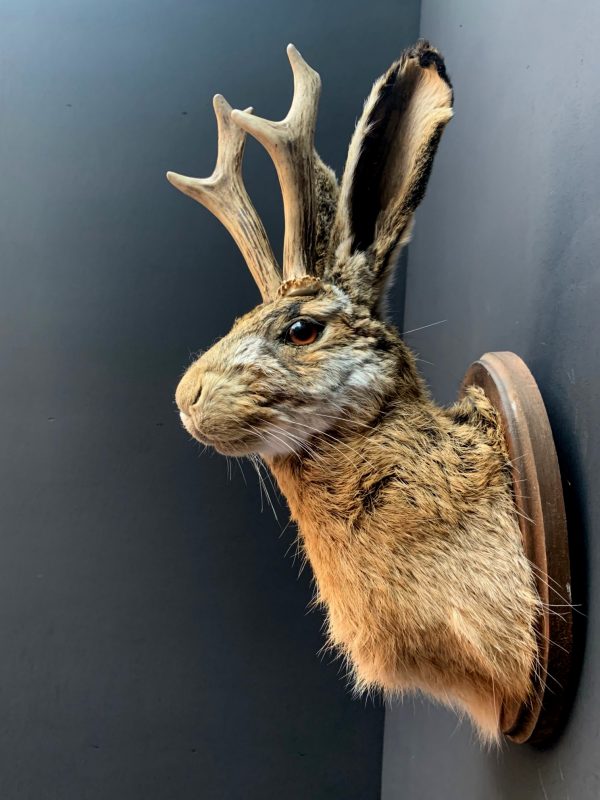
(290, 143)
(224, 194)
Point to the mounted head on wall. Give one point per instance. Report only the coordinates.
(404, 508)
(318, 344)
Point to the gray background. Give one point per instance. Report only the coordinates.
(506, 250)
(154, 636)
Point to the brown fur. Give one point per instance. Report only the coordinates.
(404, 508)
(417, 556)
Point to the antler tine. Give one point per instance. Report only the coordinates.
(224, 194)
(290, 144)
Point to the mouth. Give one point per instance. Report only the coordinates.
(271, 441)
(240, 446)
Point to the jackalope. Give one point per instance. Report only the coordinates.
(404, 508)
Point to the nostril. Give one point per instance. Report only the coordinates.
(197, 396)
(189, 389)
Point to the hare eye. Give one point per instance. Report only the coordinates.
(303, 332)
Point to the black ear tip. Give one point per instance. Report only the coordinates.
(420, 46)
(420, 49)
(428, 56)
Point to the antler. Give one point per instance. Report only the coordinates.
(224, 194)
(290, 144)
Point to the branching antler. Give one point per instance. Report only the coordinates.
(290, 144)
(224, 194)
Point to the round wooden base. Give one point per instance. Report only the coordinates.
(538, 496)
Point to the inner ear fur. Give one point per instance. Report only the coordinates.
(388, 166)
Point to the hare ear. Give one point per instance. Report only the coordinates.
(388, 165)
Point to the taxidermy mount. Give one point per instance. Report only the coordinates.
(405, 509)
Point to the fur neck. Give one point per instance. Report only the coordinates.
(389, 516)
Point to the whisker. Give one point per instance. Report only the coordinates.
(251, 459)
(348, 420)
(523, 515)
(332, 438)
(336, 440)
(261, 482)
(239, 463)
(298, 441)
(554, 590)
(422, 328)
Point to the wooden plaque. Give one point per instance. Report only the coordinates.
(538, 496)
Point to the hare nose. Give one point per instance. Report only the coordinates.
(188, 392)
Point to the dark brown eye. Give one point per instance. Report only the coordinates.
(303, 332)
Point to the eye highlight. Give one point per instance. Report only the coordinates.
(303, 332)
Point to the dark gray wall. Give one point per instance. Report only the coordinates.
(154, 640)
(506, 251)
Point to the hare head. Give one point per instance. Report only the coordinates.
(404, 508)
(318, 347)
